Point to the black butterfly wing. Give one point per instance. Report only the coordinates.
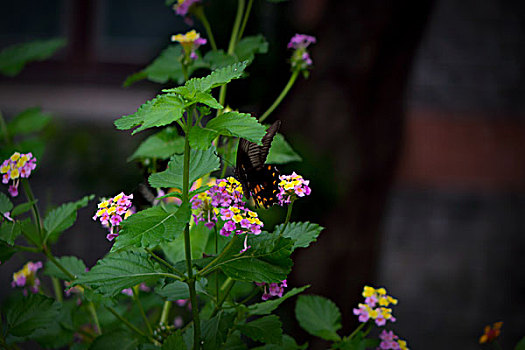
(255, 177)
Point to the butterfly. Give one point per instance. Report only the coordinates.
(257, 178)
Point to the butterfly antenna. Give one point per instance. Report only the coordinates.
(224, 159)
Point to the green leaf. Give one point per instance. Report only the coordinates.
(119, 271)
(219, 59)
(174, 291)
(29, 121)
(217, 78)
(199, 236)
(5, 203)
(288, 343)
(161, 145)
(215, 330)
(249, 46)
(268, 259)
(281, 152)
(174, 342)
(63, 217)
(117, 339)
(30, 231)
(22, 208)
(357, 342)
(151, 227)
(201, 163)
(268, 306)
(166, 67)
(228, 124)
(26, 316)
(15, 57)
(6, 252)
(266, 329)
(520, 345)
(234, 342)
(162, 110)
(70, 263)
(302, 233)
(318, 316)
(9, 231)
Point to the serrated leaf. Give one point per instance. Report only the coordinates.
(246, 49)
(15, 57)
(227, 124)
(30, 231)
(29, 121)
(174, 291)
(151, 227)
(166, 67)
(22, 208)
(26, 316)
(216, 78)
(162, 110)
(5, 203)
(266, 307)
(219, 59)
(174, 342)
(234, 342)
(117, 339)
(9, 231)
(302, 233)
(201, 163)
(288, 343)
(318, 316)
(161, 145)
(63, 217)
(281, 152)
(265, 329)
(70, 263)
(121, 270)
(199, 236)
(215, 330)
(268, 259)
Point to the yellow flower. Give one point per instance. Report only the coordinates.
(368, 291)
(15, 156)
(111, 210)
(237, 218)
(491, 333)
(15, 174)
(4, 169)
(402, 345)
(103, 204)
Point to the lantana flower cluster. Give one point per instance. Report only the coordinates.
(26, 277)
(491, 333)
(301, 59)
(224, 200)
(112, 211)
(391, 341)
(272, 289)
(15, 167)
(182, 7)
(190, 42)
(375, 306)
(291, 187)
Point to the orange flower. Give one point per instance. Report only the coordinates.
(491, 333)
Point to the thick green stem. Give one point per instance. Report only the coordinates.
(199, 12)
(57, 288)
(93, 312)
(164, 262)
(217, 273)
(225, 288)
(50, 256)
(27, 249)
(211, 266)
(245, 20)
(165, 312)
(288, 216)
(187, 242)
(135, 290)
(276, 103)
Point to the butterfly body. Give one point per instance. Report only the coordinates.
(258, 179)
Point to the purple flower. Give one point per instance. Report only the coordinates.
(274, 289)
(301, 41)
(301, 59)
(183, 6)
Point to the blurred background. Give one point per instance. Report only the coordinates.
(411, 126)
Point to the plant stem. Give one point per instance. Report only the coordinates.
(245, 20)
(57, 289)
(130, 325)
(27, 249)
(288, 216)
(226, 287)
(276, 103)
(165, 312)
(164, 262)
(93, 312)
(36, 214)
(141, 309)
(187, 242)
(217, 258)
(199, 12)
(231, 46)
(217, 273)
(356, 330)
(50, 256)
